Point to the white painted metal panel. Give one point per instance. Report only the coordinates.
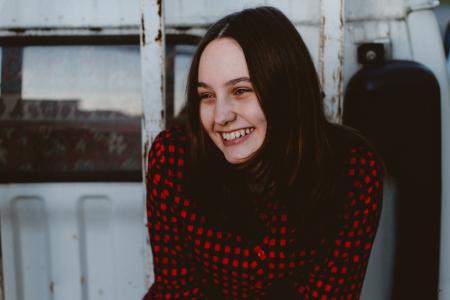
(422, 4)
(200, 12)
(152, 68)
(379, 279)
(400, 46)
(385, 9)
(311, 36)
(68, 13)
(380, 9)
(304, 11)
(393, 33)
(121, 13)
(73, 241)
(204, 12)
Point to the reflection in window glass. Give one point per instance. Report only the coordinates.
(183, 58)
(101, 77)
(71, 110)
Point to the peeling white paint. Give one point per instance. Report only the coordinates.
(153, 89)
(152, 68)
(331, 57)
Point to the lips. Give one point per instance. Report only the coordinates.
(234, 137)
(235, 134)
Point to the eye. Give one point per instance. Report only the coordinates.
(205, 96)
(241, 91)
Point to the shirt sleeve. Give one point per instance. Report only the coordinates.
(340, 274)
(174, 273)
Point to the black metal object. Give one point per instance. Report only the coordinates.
(447, 39)
(371, 54)
(396, 105)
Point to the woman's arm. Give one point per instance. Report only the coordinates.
(174, 271)
(340, 275)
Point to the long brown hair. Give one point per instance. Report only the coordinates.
(297, 162)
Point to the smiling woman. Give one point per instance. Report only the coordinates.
(258, 196)
(229, 109)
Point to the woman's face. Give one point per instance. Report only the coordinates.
(229, 109)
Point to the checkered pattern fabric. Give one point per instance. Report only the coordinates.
(190, 257)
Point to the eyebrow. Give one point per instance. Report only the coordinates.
(229, 82)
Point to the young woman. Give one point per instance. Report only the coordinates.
(259, 197)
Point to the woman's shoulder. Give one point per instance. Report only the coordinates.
(168, 150)
(350, 141)
(165, 170)
(175, 136)
(359, 156)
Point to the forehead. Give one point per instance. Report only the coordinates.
(221, 61)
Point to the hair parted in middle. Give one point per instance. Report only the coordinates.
(296, 162)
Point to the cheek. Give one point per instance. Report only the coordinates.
(261, 121)
(206, 117)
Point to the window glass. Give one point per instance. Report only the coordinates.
(73, 113)
(183, 58)
(70, 113)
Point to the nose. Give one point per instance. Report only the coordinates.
(224, 112)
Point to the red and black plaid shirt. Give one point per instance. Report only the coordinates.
(189, 256)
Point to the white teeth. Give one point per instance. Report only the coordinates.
(236, 134)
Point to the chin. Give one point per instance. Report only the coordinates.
(236, 159)
(235, 162)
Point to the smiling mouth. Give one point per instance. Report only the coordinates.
(237, 134)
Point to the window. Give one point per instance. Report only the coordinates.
(178, 61)
(70, 113)
(73, 112)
